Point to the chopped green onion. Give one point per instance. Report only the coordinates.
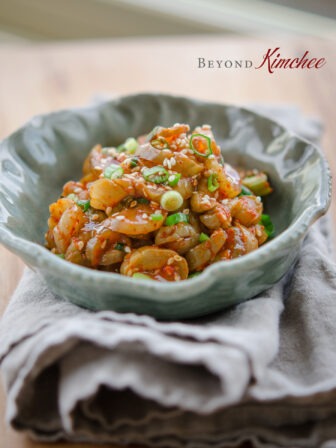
(120, 246)
(143, 276)
(113, 172)
(142, 201)
(268, 225)
(129, 146)
(203, 237)
(176, 218)
(84, 205)
(245, 191)
(157, 217)
(221, 160)
(61, 256)
(213, 184)
(153, 133)
(157, 174)
(207, 141)
(173, 179)
(159, 143)
(171, 201)
(258, 184)
(194, 274)
(134, 163)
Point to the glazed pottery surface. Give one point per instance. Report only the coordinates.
(40, 157)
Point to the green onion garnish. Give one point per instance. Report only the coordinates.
(204, 140)
(245, 191)
(157, 174)
(156, 217)
(171, 201)
(159, 143)
(213, 184)
(120, 246)
(176, 218)
(61, 256)
(113, 172)
(268, 225)
(134, 163)
(173, 179)
(72, 196)
(152, 133)
(203, 237)
(258, 184)
(142, 201)
(84, 205)
(143, 276)
(130, 146)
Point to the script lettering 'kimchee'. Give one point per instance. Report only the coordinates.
(272, 60)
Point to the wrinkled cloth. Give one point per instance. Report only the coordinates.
(264, 370)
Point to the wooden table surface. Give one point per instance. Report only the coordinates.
(39, 78)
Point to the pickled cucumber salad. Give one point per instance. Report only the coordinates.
(161, 207)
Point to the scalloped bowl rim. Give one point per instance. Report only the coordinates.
(294, 233)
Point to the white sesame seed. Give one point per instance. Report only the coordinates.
(144, 215)
(119, 218)
(206, 126)
(127, 249)
(211, 156)
(157, 212)
(172, 162)
(77, 190)
(258, 198)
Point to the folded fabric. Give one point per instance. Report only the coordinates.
(262, 371)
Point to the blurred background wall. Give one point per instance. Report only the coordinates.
(36, 20)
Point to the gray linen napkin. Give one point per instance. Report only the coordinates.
(262, 371)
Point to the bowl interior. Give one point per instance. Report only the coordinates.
(38, 159)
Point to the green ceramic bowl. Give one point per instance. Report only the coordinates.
(40, 157)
